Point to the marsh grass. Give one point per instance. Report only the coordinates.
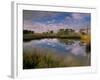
(48, 59)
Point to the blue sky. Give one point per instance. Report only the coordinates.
(41, 21)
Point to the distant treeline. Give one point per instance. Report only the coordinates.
(59, 32)
(27, 32)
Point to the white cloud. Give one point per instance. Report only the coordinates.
(68, 18)
(41, 27)
(77, 16)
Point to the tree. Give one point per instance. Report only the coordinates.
(51, 32)
(28, 32)
(61, 31)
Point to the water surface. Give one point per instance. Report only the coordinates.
(74, 49)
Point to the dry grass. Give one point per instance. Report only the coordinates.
(48, 59)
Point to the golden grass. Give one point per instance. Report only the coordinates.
(48, 59)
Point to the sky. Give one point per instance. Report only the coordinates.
(42, 21)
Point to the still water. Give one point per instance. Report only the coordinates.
(60, 46)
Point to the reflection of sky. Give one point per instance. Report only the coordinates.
(55, 45)
(78, 50)
(40, 21)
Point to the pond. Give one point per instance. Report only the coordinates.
(73, 49)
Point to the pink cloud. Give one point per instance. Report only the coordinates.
(77, 16)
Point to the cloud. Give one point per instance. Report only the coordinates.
(77, 16)
(80, 16)
(41, 27)
(78, 20)
(51, 21)
(37, 15)
(41, 21)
